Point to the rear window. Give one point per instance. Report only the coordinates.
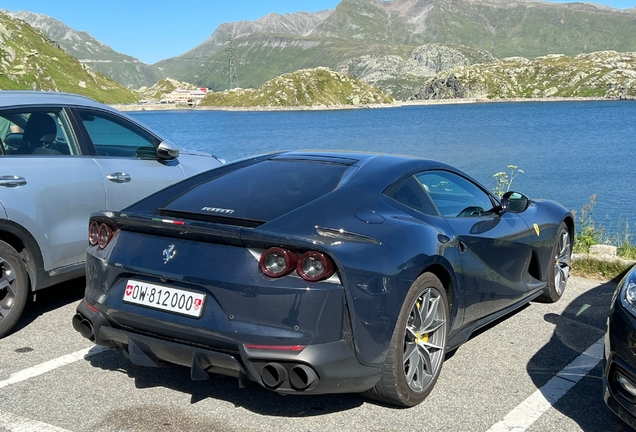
(260, 192)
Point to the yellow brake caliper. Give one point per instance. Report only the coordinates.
(418, 337)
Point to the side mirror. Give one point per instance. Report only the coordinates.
(167, 150)
(514, 202)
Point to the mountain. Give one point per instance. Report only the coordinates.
(259, 57)
(505, 28)
(127, 70)
(30, 60)
(320, 87)
(606, 74)
(297, 24)
(401, 77)
(251, 53)
(249, 44)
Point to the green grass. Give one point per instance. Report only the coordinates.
(596, 269)
(627, 251)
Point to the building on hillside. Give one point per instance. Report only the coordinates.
(190, 97)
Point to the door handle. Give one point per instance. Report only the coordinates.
(119, 177)
(12, 181)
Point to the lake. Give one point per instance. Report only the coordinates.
(568, 150)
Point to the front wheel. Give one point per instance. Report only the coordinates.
(13, 287)
(559, 271)
(418, 346)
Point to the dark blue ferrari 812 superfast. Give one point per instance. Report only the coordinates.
(319, 272)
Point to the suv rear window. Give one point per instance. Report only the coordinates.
(260, 192)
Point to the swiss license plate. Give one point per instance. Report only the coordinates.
(164, 298)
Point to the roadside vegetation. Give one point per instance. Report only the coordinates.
(588, 234)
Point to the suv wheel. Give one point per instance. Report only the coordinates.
(13, 287)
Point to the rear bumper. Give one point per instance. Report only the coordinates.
(317, 369)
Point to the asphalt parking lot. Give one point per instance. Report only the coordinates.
(51, 379)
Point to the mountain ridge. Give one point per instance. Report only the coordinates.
(391, 44)
(357, 28)
(32, 61)
(127, 70)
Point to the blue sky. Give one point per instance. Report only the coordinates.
(156, 30)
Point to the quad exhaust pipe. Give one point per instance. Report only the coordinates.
(273, 375)
(84, 327)
(300, 377)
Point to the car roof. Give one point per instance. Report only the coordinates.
(11, 98)
(377, 159)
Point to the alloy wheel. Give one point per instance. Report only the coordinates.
(7, 288)
(563, 258)
(424, 340)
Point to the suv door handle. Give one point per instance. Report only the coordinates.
(12, 181)
(119, 177)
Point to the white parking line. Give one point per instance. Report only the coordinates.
(50, 365)
(15, 423)
(530, 410)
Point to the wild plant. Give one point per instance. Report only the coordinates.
(586, 233)
(504, 181)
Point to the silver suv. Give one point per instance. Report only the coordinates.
(63, 157)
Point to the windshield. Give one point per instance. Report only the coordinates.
(261, 192)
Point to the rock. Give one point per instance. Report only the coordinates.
(448, 88)
(604, 74)
(607, 250)
(402, 77)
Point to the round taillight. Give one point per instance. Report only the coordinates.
(314, 266)
(93, 233)
(104, 234)
(276, 262)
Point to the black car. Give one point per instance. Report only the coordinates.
(319, 272)
(619, 360)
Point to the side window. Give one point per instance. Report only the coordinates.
(37, 133)
(114, 136)
(411, 193)
(455, 196)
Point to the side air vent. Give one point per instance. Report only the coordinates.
(346, 236)
(534, 269)
(347, 330)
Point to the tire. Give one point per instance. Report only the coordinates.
(14, 286)
(421, 340)
(559, 271)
